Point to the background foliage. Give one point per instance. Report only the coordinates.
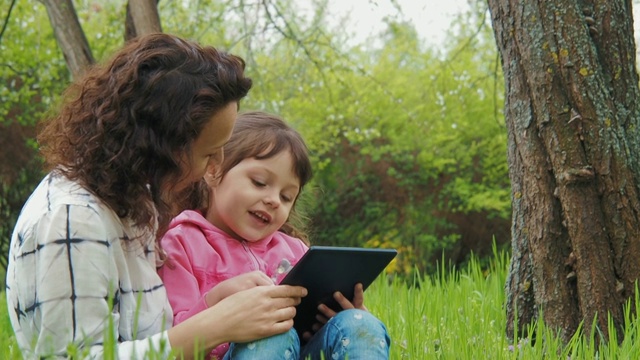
(408, 142)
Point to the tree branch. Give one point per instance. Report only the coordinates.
(6, 19)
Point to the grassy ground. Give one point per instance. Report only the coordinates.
(455, 315)
(8, 347)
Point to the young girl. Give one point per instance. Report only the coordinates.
(131, 135)
(244, 235)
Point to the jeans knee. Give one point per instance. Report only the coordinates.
(356, 317)
(357, 334)
(282, 346)
(359, 322)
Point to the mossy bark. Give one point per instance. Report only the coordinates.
(572, 116)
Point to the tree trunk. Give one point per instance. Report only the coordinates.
(572, 117)
(69, 35)
(142, 18)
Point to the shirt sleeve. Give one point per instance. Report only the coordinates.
(69, 286)
(178, 275)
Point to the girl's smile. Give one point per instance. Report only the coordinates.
(254, 198)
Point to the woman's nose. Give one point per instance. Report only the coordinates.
(217, 158)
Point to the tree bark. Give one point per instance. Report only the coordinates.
(572, 117)
(142, 18)
(69, 35)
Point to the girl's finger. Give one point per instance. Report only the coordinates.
(326, 311)
(342, 301)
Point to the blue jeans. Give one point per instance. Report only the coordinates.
(353, 333)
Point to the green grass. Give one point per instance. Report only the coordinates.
(8, 346)
(459, 315)
(454, 315)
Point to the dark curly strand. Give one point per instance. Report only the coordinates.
(124, 128)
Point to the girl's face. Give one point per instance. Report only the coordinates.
(254, 199)
(206, 150)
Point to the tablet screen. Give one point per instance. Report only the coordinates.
(324, 270)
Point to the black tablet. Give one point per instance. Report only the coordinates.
(324, 270)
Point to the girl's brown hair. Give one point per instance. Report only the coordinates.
(261, 135)
(124, 128)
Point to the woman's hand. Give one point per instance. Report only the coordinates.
(259, 312)
(326, 313)
(236, 284)
(247, 315)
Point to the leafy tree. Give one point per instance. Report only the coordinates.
(407, 143)
(406, 140)
(30, 78)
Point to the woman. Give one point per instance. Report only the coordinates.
(131, 138)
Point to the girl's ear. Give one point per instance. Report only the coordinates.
(212, 175)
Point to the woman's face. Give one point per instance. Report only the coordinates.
(207, 148)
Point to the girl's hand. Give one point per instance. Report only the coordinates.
(326, 313)
(236, 284)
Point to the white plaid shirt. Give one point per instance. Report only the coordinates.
(67, 257)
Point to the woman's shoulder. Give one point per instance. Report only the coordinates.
(58, 190)
(59, 200)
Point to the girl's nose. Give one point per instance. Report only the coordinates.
(272, 200)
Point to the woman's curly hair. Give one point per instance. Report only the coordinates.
(125, 127)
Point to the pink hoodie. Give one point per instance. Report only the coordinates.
(200, 256)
